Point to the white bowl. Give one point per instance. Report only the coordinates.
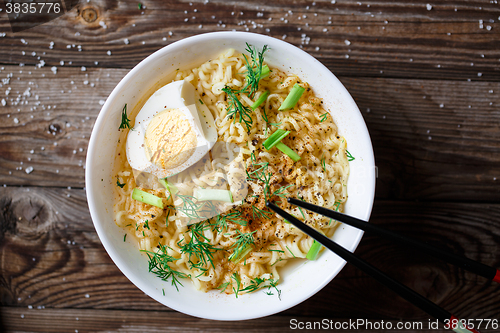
(300, 280)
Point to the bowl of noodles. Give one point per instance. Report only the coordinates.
(274, 123)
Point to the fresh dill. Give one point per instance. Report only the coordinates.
(236, 278)
(280, 191)
(233, 217)
(223, 286)
(300, 209)
(349, 156)
(196, 210)
(125, 121)
(198, 247)
(272, 284)
(277, 261)
(254, 70)
(260, 213)
(146, 224)
(243, 241)
(236, 109)
(159, 265)
(254, 285)
(166, 219)
(323, 117)
(118, 182)
(254, 73)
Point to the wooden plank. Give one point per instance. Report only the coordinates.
(17, 320)
(52, 258)
(47, 121)
(452, 40)
(432, 139)
(428, 142)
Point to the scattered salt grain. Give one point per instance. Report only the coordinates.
(429, 6)
(126, 41)
(29, 170)
(16, 121)
(54, 69)
(347, 42)
(108, 53)
(101, 102)
(83, 68)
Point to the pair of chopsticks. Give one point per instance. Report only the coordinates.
(411, 296)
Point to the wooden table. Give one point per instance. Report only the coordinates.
(425, 75)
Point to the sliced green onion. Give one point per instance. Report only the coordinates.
(276, 137)
(241, 255)
(264, 72)
(292, 98)
(202, 194)
(171, 188)
(288, 151)
(312, 254)
(147, 198)
(260, 100)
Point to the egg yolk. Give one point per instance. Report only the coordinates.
(170, 139)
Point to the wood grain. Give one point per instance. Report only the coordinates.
(88, 320)
(52, 258)
(426, 80)
(371, 38)
(433, 139)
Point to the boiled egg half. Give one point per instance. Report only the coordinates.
(172, 131)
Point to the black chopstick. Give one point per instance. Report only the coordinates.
(402, 290)
(463, 262)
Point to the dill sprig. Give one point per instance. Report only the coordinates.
(272, 284)
(159, 265)
(349, 156)
(196, 210)
(260, 213)
(254, 70)
(236, 278)
(243, 240)
(323, 117)
(118, 182)
(260, 174)
(125, 121)
(223, 286)
(236, 109)
(222, 220)
(198, 247)
(255, 284)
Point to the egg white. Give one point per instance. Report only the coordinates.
(180, 95)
